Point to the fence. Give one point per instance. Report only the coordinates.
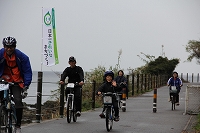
(192, 100)
(190, 78)
(137, 84)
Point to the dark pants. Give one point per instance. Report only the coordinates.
(16, 91)
(77, 97)
(116, 108)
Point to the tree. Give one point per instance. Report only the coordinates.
(161, 66)
(193, 48)
(156, 66)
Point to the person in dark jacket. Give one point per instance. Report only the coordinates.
(15, 67)
(122, 81)
(75, 75)
(175, 81)
(110, 86)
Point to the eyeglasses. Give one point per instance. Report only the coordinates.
(7, 47)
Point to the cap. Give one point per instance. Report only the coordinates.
(72, 59)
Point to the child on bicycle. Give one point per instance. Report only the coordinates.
(110, 86)
(175, 81)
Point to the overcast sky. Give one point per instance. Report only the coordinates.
(95, 30)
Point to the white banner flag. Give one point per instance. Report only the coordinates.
(49, 49)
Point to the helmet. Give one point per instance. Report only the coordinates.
(9, 41)
(109, 73)
(72, 59)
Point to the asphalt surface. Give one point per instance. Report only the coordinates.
(139, 118)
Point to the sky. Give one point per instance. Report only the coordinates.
(94, 31)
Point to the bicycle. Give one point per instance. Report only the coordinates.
(8, 117)
(71, 108)
(173, 95)
(108, 106)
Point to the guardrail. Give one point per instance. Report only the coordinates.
(137, 84)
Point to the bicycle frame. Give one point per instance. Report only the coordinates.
(108, 106)
(70, 103)
(71, 95)
(173, 95)
(173, 100)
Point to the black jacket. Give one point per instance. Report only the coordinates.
(74, 74)
(107, 87)
(120, 79)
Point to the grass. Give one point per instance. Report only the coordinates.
(197, 126)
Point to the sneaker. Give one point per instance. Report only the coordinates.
(177, 104)
(78, 113)
(116, 118)
(17, 130)
(102, 115)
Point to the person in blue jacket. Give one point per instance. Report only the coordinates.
(175, 81)
(15, 67)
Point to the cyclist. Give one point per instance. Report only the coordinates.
(110, 86)
(75, 75)
(15, 67)
(175, 81)
(122, 81)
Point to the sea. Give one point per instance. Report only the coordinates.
(49, 83)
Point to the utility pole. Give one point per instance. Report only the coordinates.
(163, 53)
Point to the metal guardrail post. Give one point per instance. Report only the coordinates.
(192, 77)
(145, 82)
(142, 83)
(93, 94)
(39, 97)
(133, 84)
(138, 81)
(62, 94)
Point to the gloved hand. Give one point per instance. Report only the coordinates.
(24, 92)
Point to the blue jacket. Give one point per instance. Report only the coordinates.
(175, 82)
(23, 64)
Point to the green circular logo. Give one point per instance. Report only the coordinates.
(47, 18)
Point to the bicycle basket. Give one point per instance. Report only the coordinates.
(107, 100)
(70, 85)
(173, 89)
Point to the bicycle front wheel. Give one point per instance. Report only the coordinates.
(109, 119)
(74, 114)
(3, 120)
(173, 102)
(12, 120)
(69, 110)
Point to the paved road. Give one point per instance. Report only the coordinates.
(139, 118)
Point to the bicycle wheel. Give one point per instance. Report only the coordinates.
(3, 119)
(11, 127)
(173, 102)
(69, 110)
(12, 120)
(74, 114)
(109, 119)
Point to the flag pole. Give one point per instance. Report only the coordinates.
(42, 42)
